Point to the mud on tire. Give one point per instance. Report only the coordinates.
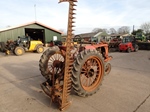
(89, 67)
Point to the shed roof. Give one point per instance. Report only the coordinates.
(35, 22)
(86, 35)
(101, 34)
(119, 35)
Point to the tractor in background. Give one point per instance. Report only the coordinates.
(128, 44)
(81, 67)
(22, 45)
(143, 41)
(140, 37)
(114, 44)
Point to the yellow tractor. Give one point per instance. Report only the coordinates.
(22, 45)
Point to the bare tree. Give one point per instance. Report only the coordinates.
(146, 27)
(120, 31)
(96, 30)
(112, 31)
(105, 30)
(8, 26)
(124, 30)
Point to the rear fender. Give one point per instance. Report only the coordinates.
(89, 47)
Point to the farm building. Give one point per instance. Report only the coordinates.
(35, 30)
(98, 36)
(118, 35)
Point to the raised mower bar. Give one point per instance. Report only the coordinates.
(60, 92)
(68, 59)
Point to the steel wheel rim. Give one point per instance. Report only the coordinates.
(54, 64)
(91, 73)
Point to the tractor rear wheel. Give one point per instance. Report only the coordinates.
(19, 51)
(136, 48)
(87, 73)
(51, 63)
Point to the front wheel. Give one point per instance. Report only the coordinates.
(87, 74)
(120, 50)
(107, 68)
(136, 48)
(128, 50)
(40, 49)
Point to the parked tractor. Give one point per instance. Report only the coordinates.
(114, 44)
(128, 44)
(81, 67)
(140, 37)
(22, 45)
(143, 41)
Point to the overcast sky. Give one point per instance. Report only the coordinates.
(90, 14)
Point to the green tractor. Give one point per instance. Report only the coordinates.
(140, 37)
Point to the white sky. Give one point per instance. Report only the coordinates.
(90, 14)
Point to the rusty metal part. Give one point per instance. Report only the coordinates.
(68, 60)
(59, 66)
(55, 63)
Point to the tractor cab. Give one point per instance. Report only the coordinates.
(126, 40)
(28, 45)
(128, 44)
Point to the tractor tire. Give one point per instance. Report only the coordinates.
(128, 50)
(136, 48)
(107, 68)
(44, 61)
(40, 49)
(19, 51)
(87, 73)
(2, 46)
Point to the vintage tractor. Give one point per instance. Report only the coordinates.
(114, 44)
(140, 37)
(81, 67)
(128, 44)
(19, 47)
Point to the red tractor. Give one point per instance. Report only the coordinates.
(81, 67)
(128, 44)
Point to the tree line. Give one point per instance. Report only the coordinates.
(144, 28)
